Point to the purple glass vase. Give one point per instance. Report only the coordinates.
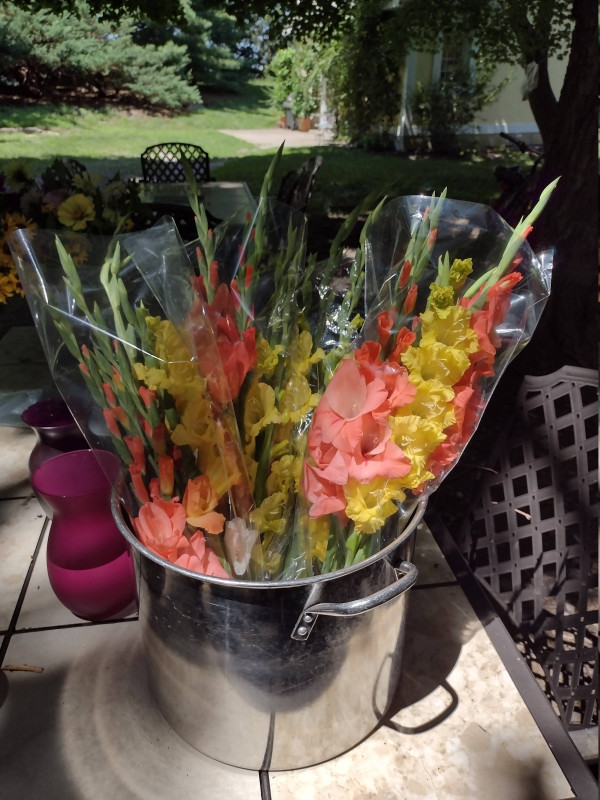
(55, 428)
(89, 562)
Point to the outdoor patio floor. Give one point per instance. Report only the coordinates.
(78, 722)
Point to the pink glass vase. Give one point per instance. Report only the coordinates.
(55, 429)
(89, 562)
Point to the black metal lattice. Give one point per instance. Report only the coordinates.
(164, 162)
(531, 536)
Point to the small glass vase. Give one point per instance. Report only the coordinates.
(89, 562)
(55, 429)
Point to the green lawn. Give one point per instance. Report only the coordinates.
(111, 140)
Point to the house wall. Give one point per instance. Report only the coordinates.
(509, 112)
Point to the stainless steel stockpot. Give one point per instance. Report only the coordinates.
(277, 675)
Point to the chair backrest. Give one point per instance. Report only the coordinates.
(296, 186)
(164, 162)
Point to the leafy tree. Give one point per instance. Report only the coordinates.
(365, 71)
(528, 34)
(298, 72)
(447, 105)
(211, 38)
(45, 51)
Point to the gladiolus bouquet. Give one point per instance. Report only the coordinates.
(276, 416)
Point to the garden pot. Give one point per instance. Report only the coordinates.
(277, 675)
(305, 124)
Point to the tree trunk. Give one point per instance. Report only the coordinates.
(544, 105)
(567, 333)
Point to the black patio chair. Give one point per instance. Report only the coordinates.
(164, 162)
(296, 186)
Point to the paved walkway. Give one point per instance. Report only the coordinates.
(267, 138)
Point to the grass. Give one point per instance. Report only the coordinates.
(111, 140)
(347, 175)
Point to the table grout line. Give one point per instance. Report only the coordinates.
(21, 599)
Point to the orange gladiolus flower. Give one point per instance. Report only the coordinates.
(166, 475)
(109, 395)
(405, 274)
(159, 526)
(112, 416)
(139, 488)
(411, 299)
(136, 448)
(193, 554)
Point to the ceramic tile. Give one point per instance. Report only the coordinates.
(41, 608)
(429, 560)
(21, 523)
(17, 444)
(21, 345)
(86, 727)
(457, 729)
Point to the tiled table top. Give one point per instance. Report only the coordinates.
(83, 725)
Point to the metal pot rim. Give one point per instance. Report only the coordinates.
(416, 516)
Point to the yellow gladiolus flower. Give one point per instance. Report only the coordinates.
(318, 531)
(452, 330)
(76, 211)
(297, 399)
(441, 298)
(269, 516)
(267, 357)
(370, 504)
(433, 401)
(259, 410)
(434, 360)
(459, 271)
(417, 438)
(302, 355)
(284, 475)
(196, 426)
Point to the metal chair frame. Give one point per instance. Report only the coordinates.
(164, 162)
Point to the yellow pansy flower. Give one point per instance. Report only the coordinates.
(434, 360)
(269, 516)
(302, 355)
(17, 172)
(297, 400)
(85, 182)
(76, 211)
(8, 286)
(368, 505)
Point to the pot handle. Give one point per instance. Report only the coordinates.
(406, 574)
